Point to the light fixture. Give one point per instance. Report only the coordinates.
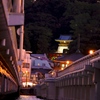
(67, 62)
(91, 51)
(62, 65)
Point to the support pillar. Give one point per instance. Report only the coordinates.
(51, 91)
(97, 85)
(3, 84)
(97, 80)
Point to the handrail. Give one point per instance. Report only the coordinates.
(79, 64)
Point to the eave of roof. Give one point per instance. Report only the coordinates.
(71, 57)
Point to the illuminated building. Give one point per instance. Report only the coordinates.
(26, 69)
(40, 65)
(64, 41)
(62, 62)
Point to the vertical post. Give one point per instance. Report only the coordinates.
(97, 84)
(97, 79)
(21, 10)
(21, 50)
(51, 89)
(17, 6)
(22, 6)
(21, 42)
(2, 83)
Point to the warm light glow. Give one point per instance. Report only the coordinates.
(62, 65)
(67, 62)
(61, 48)
(34, 84)
(52, 73)
(26, 73)
(62, 68)
(64, 41)
(91, 51)
(66, 65)
(28, 83)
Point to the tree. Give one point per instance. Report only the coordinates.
(45, 14)
(62, 17)
(39, 37)
(87, 25)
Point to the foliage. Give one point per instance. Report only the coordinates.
(39, 37)
(42, 17)
(45, 20)
(86, 22)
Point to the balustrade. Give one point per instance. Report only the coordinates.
(80, 64)
(78, 81)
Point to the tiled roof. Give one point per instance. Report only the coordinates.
(72, 57)
(65, 37)
(40, 61)
(43, 67)
(40, 56)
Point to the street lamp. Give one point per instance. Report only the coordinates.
(91, 51)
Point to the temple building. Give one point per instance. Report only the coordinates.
(64, 41)
(64, 61)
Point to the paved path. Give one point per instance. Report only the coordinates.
(27, 97)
